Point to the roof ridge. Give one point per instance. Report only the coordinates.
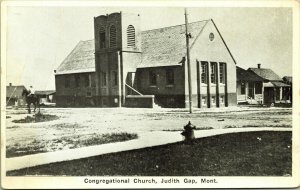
(175, 25)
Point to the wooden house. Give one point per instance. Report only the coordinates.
(261, 86)
(14, 95)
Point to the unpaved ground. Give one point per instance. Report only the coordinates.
(83, 123)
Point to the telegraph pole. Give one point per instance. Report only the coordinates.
(188, 35)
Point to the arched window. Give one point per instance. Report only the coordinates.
(130, 36)
(102, 37)
(112, 37)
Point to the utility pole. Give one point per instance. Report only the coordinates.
(188, 35)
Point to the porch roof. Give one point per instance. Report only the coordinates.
(275, 84)
(280, 84)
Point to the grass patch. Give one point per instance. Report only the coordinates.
(238, 154)
(66, 142)
(201, 128)
(36, 118)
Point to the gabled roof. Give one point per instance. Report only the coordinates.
(44, 92)
(167, 46)
(266, 74)
(14, 91)
(160, 47)
(245, 75)
(81, 59)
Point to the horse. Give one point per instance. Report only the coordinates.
(31, 99)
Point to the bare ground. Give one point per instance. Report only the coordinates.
(79, 124)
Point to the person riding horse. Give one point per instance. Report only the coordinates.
(31, 98)
(31, 92)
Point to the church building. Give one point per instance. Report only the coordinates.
(126, 67)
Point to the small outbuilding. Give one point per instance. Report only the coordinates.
(14, 95)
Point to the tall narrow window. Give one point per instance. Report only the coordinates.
(115, 77)
(152, 78)
(170, 77)
(112, 37)
(67, 81)
(77, 80)
(258, 88)
(88, 80)
(103, 78)
(130, 36)
(243, 88)
(102, 37)
(213, 72)
(222, 73)
(203, 72)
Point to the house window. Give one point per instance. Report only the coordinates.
(102, 38)
(67, 81)
(130, 36)
(112, 37)
(213, 100)
(243, 88)
(203, 72)
(88, 80)
(115, 77)
(213, 73)
(222, 73)
(203, 101)
(222, 99)
(77, 80)
(170, 77)
(103, 78)
(152, 78)
(258, 88)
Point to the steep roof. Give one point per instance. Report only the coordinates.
(167, 46)
(81, 59)
(266, 74)
(245, 75)
(14, 91)
(160, 47)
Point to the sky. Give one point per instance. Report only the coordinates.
(39, 38)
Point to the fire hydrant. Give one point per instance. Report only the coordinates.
(188, 132)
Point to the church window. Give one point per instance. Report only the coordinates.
(130, 36)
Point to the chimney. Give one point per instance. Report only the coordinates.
(258, 65)
(10, 84)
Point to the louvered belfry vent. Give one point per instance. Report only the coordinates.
(130, 36)
(113, 37)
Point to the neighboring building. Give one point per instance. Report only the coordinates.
(46, 96)
(261, 86)
(14, 95)
(289, 92)
(129, 62)
(249, 87)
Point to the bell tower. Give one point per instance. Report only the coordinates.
(117, 53)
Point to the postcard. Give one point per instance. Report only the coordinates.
(151, 94)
